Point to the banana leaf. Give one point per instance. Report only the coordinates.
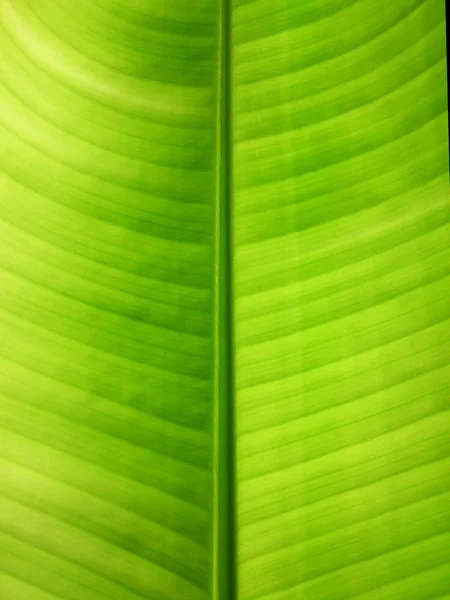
(224, 300)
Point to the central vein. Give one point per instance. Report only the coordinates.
(224, 567)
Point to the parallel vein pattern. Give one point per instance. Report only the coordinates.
(342, 274)
(106, 298)
(110, 287)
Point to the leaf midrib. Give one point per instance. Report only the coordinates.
(224, 529)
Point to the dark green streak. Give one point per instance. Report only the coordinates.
(226, 555)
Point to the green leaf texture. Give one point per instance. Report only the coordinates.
(224, 300)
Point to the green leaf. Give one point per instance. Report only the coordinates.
(224, 300)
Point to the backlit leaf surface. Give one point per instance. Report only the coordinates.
(224, 296)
